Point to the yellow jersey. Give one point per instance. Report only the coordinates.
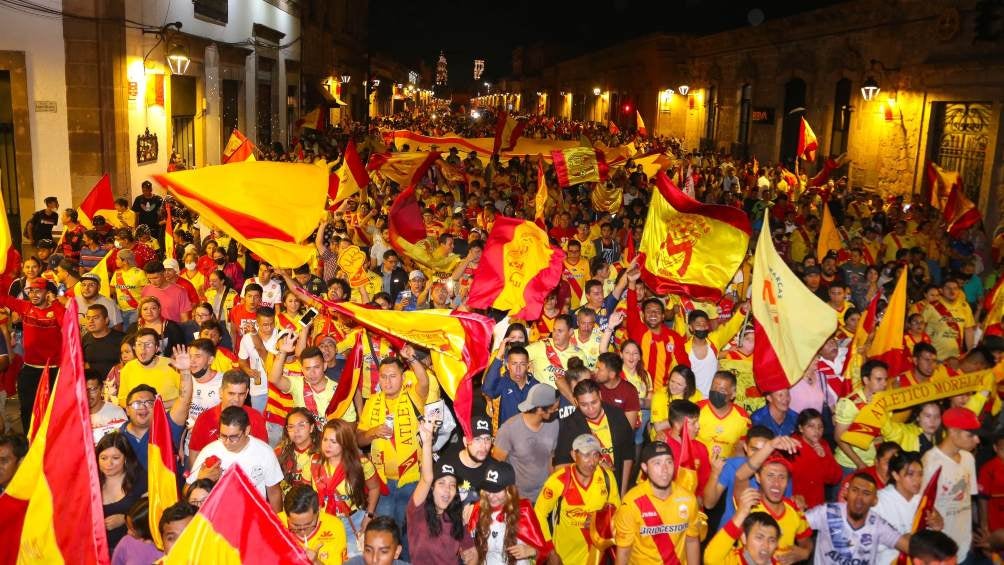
(395, 459)
(794, 527)
(590, 346)
(720, 435)
(946, 324)
(328, 539)
(660, 531)
(548, 362)
(565, 506)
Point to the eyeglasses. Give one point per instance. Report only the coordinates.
(137, 404)
(301, 529)
(231, 438)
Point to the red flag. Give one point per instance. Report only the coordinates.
(629, 250)
(507, 131)
(350, 178)
(612, 127)
(578, 165)
(406, 169)
(347, 387)
(807, 144)
(640, 124)
(520, 269)
(40, 404)
(99, 200)
(51, 510)
(408, 235)
(215, 536)
(161, 478)
(924, 508)
(947, 195)
(238, 148)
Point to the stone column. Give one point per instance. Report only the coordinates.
(213, 119)
(251, 96)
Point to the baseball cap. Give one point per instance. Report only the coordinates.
(321, 338)
(655, 449)
(780, 461)
(586, 443)
(416, 275)
(37, 282)
(961, 418)
(443, 468)
(171, 264)
(45, 244)
(90, 277)
(812, 270)
(540, 396)
(498, 476)
(481, 426)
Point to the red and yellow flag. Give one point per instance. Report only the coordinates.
(350, 178)
(347, 387)
(785, 344)
(459, 343)
(519, 268)
(807, 143)
(251, 202)
(829, 236)
(924, 508)
(101, 270)
(888, 343)
(578, 165)
(612, 127)
(405, 169)
(161, 479)
(690, 248)
(39, 406)
(947, 195)
(99, 201)
(640, 124)
(851, 371)
(686, 474)
(607, 199)
(408, 235)
(508, 130)
(238, 148)
(540, 199)
(51, 510)
(6, 240)
(215, 535)
(168, 233)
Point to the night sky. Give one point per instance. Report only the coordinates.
(410, 31)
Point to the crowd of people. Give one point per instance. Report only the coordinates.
(582, 418)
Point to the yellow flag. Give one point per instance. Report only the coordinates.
(829, 237)
(5, 237)
(540, 200)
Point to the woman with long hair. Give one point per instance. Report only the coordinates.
(680, 385)
(122, 480)
(170, 332)
(220, 295)
(289, 313)
(436, 532)
(346, 481)
(505, 527)
(814, 466)
(920, 433)
(298, 447)
(197, 492)
(898, 500)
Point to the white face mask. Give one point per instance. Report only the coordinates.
(190, 266)
(118, 244)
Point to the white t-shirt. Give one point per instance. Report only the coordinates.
(704, 369)
(247, 351)
(204, 396)
(838, 543)
(107, 420)
(271, 294)
(257, 460)
(497, 554)
(899, 512)
(956, 486)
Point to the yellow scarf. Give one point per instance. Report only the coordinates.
(404, 446)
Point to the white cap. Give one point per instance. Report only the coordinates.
(172, 264)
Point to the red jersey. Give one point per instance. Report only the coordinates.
(43, 333)
(207, 427)
(991, 481)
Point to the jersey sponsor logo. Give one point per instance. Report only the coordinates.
(834, 556)
(663, 529)
(684, 511)
(649, 514)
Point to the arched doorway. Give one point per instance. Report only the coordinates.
(794, 98)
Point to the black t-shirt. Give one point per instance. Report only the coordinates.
(469, 479)
(41, 224)
(147, 210)
(101, 354)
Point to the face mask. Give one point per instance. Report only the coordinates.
(717, 399)
(221, 261)
(190, 266)
(200, 374)
(701, 334)
(118, 244)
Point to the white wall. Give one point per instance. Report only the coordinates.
(41, 39)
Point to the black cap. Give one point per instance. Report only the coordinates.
(443, 468)
(45, 244)
(655, 449)
(812, 270)
(481, 426)
(498, 476)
